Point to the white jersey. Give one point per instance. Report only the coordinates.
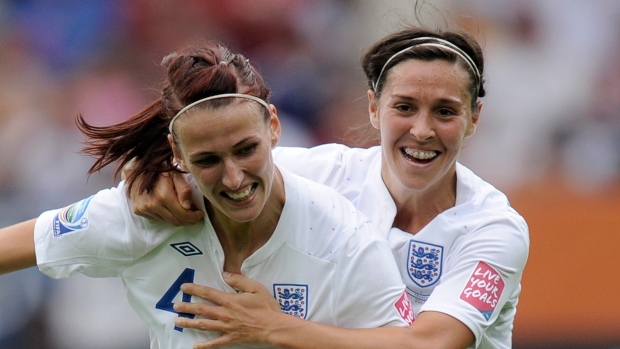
(467, 262)
(323, 263)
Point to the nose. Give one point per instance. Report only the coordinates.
(233, 175)
(422, 126)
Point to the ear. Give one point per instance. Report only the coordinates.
(176, 151)
(473, 123)
(373, 108)
(274, 123)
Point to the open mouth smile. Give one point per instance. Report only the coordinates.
(420, 156)
(240, 196)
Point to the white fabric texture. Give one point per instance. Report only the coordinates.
(472, 256)
(322, 248)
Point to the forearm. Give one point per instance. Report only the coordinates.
(430, 330)
(294, 333)
(17, 247)
(253, 316)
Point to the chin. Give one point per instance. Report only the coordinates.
(245, 214)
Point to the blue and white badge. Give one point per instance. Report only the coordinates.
(71, 218)
(424, 263)
(293, 299)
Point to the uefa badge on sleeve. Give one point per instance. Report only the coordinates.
(293, 299)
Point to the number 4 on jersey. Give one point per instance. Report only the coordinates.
(167, 301)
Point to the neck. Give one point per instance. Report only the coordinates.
(240, 240)
(417, 208)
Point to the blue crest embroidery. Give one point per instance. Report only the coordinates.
(293, 299)
(424, 263)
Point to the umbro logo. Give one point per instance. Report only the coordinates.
(186, 248)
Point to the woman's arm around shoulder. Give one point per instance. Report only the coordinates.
(430, 330)
(253, 316)
(327, 164)
(169, 201)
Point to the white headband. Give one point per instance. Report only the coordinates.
(444, 44)
(224, 95)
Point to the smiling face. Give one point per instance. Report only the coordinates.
(423, 115)
(228, 151)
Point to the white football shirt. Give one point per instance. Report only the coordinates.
(467, 262)
(324, 262)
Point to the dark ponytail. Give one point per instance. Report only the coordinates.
(198, 71)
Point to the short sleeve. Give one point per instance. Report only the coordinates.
(98, 236)
(483, 282)
(323, 164)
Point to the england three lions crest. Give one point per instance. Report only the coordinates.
(293, 299)
(424, 263)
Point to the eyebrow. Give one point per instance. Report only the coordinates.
(245, 140)
(402, 97)
(442, 100)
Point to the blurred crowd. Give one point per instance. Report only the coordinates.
(552, 109)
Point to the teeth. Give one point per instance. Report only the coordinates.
(243, 195)
(419, 154)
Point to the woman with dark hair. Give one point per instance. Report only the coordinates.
(460, 246)
(321, 258)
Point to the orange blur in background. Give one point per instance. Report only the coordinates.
(571, 284)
